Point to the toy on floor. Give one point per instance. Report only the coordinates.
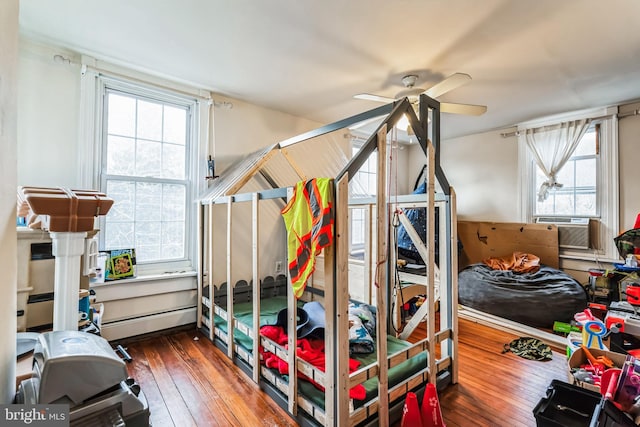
(593, 329)
(411, 412)
(428, 415)
(430, 411)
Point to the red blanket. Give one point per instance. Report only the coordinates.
(310, 350)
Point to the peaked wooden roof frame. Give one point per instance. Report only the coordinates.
(246, 168)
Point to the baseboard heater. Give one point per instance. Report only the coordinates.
(140, 325)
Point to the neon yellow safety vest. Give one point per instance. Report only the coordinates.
(308, 218)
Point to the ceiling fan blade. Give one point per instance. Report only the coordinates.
(468, 109)
(454, 81)
(376, 98)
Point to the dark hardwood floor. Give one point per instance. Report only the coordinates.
(189, 382)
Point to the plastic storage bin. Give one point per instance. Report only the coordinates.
(607, 415)
(566, 405)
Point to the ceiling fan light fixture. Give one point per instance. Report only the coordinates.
(409, 80)
(413, 93)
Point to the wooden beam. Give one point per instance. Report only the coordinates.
(292, 339)
(452, 305)
(341, 295)
(200, 263)
(430, 261)
(212, 288)
(250, 172)
(229, 279)
(294, 165)
(330, 335)
(381, 278)
(255, 245)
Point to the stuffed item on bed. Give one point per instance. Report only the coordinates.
(362, 329)
(535, 298)
(310, 345)
(518, 262)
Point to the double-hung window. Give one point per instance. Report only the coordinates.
(578, 196)
(146, 166)
(363, 185)
(589, 183)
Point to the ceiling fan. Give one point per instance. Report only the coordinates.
(412, 92)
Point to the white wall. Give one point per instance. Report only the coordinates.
(47, 118)
(246, 128)
(8, 265)
(48, 121)
(629, 160)
(483, 170)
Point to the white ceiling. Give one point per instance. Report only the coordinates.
(308, 58)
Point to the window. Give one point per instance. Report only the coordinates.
(146, 168)
(578, 195)
(589, 178)
(363, 185)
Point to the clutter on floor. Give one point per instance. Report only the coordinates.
(529, 348)
(83, 371)
(603, 350)
(428, 414)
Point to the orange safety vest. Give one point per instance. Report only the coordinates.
(308, 218)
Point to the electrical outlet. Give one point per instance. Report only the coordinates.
(278, 266)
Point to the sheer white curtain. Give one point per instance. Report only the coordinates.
(552, 146)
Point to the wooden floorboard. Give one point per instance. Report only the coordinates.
(188, 381)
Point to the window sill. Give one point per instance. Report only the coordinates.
(584, 262)
(145, 278)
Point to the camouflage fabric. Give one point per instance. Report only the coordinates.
(628, 242)
(529, 348)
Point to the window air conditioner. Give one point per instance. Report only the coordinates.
(573, 233)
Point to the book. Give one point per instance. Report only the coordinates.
(120, 263)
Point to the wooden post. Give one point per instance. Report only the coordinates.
(340, 291)
(382, 280)
(212, 288)
(292, 339)
(200, 263)
(230, 322)
(256, 284)
(430, 262)
(454, 287)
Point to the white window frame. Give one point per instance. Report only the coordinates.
(95, 77)
(356, 145)
(592, 129)
(607, 180)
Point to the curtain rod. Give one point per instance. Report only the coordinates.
(635, 112)
(143, 77)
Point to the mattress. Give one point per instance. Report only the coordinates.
(269, 308)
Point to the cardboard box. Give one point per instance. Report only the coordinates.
(578, 358)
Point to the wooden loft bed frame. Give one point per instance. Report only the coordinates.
(330, 284)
